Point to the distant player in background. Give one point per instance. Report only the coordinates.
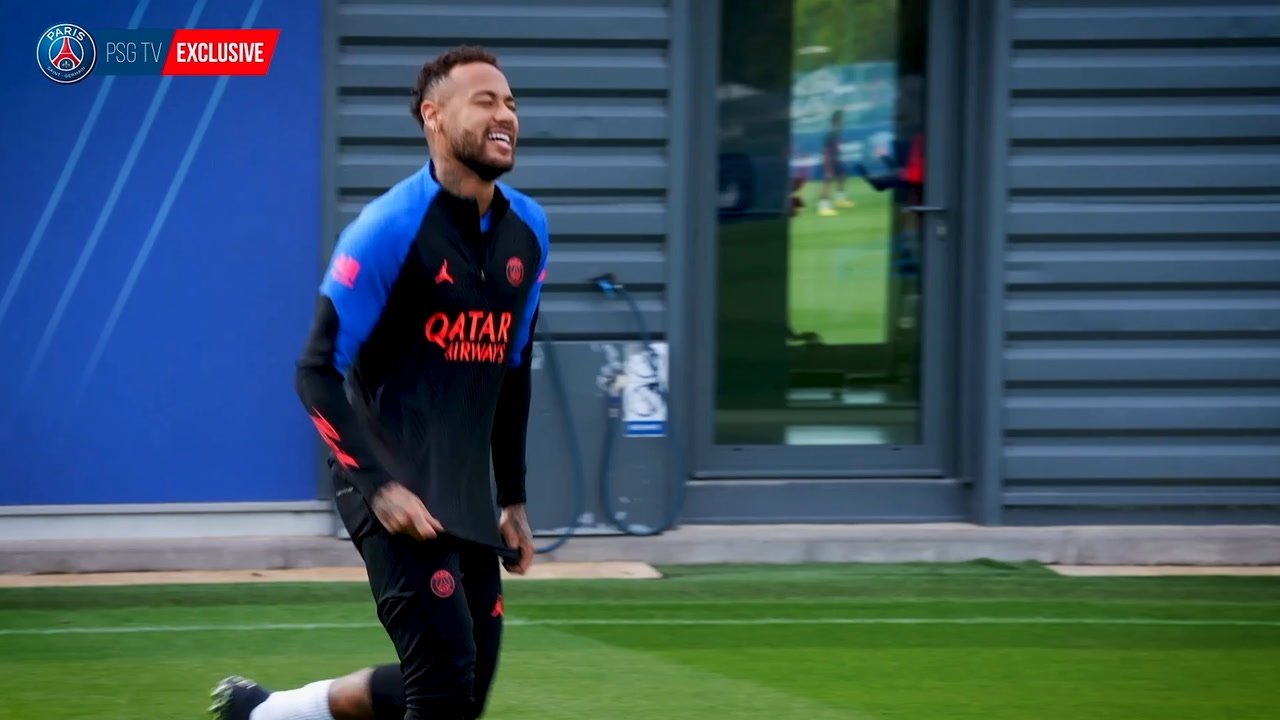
(832, 169)
(374, 693)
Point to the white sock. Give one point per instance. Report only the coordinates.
(310, 702)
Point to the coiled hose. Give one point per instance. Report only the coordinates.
(611, 288)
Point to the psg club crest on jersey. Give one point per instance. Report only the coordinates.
(442, 583)
(515, 271)
(66, 53)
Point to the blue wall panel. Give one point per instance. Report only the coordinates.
(1142, 270)
(189, 396)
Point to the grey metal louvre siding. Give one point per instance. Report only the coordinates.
(1142, 274)
(592, 80)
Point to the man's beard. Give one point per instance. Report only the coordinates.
(469, 150)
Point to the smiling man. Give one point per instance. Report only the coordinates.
(416, 374)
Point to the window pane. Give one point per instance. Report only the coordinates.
(818, 276)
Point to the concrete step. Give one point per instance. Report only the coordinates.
(703, 544)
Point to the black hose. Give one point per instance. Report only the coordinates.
(571, 436)
(611, 288)
(612, 413)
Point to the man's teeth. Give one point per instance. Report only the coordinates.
(501, 137)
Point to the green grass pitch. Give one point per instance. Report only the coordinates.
(979, 641)
(839, 267)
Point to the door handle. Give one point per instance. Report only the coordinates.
(940, 229)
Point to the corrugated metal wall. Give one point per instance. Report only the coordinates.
(591, 78)
(1142, 325)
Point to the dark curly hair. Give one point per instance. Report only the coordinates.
(438, 68)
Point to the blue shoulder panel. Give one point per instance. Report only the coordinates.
(529, 211)
(367, 261)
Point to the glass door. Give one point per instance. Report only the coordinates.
(832, 271)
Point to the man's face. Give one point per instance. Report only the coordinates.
(478, 119)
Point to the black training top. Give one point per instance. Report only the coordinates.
(427, 311)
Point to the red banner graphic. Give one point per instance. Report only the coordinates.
(205, 51)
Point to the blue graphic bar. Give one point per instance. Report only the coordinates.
(131, 52)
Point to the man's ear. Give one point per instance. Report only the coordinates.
(430, 111)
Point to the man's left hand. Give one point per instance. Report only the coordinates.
(517, 534)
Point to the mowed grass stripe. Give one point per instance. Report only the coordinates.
(719, 593)
(544, 673)
(580, 677)
(592, 650)
(632, 621)
(580, 611)
(759, 586)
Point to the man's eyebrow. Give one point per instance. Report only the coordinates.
(490, 93)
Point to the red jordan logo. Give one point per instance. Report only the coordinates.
(444, 276)
(65, 59)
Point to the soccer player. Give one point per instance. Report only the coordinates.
(427, 312)
(375, 693)
(832, 169)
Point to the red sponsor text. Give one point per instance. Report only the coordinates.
(471, 335)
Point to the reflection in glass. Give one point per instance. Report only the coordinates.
(821, 148)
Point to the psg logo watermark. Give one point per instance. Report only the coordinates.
(66, 53)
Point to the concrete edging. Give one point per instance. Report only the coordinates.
(704, 544)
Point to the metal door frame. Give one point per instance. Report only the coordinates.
(934, 457)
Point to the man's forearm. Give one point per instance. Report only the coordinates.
(323, 397)
(336, 422)
(320, 388)
(510, 431)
